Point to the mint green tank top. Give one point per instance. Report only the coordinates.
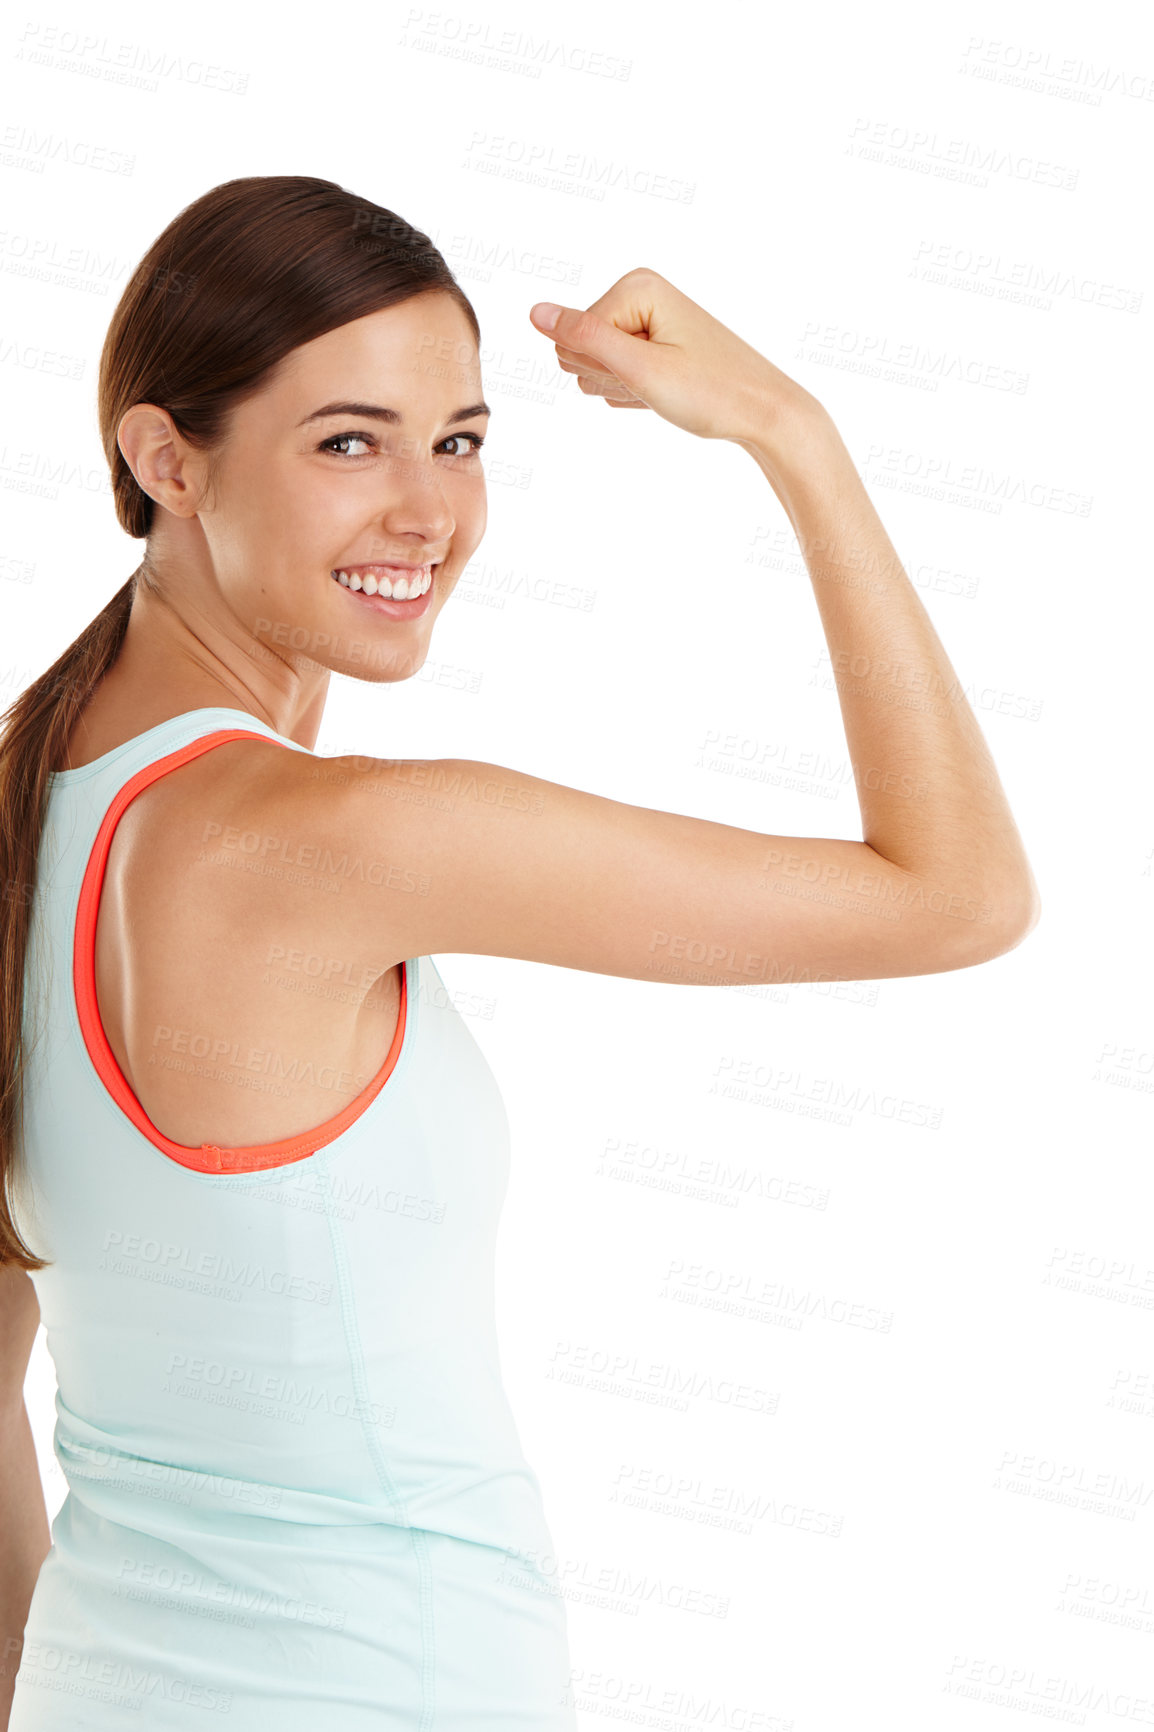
(296, 1491)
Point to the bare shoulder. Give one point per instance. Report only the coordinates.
(460, 855)
(251, 833)
(227, 922)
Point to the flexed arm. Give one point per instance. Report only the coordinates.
(489, 859)
(930, 798)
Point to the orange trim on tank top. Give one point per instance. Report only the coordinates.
(208, 1157)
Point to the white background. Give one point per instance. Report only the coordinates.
(947, 1521)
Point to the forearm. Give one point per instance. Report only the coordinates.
(24, 1540)
(930, 798)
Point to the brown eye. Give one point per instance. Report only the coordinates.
(476, 439)
(343, 439)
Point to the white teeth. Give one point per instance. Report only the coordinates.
(398, 589)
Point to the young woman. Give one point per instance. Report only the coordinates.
(254, 1159)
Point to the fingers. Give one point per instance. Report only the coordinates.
(583, 365)
(595, 375)
(612, 390)
(595, 382)
(619, 402)
(592, 345)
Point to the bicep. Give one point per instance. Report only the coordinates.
(490, 860)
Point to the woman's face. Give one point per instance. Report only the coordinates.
(303, 489)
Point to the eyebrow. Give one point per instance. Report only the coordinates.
(375, 412)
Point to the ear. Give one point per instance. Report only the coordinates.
(165, 465)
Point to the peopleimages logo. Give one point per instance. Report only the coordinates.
(124, 1250)
(215, 1375)
(122, 1682)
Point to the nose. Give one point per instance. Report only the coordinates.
(416, 504)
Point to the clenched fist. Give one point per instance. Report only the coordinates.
(645, 345)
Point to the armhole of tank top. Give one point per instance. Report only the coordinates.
(206, 1157)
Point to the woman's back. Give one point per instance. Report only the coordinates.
(198, 932)
(293, 1474)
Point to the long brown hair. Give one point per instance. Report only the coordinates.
(239, 278)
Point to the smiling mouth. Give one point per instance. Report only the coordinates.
(391, 582)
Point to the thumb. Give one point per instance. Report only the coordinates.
(545, 314)
(587, 334)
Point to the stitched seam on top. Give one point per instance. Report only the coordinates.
(419, 1539)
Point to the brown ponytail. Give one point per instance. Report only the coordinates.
(238, 279)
